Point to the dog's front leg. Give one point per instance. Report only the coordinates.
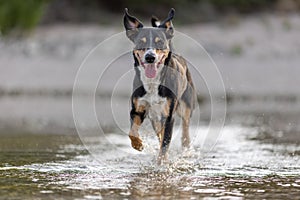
(137, 116)
(168, 130)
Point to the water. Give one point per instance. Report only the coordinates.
(60, 167)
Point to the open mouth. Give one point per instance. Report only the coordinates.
(151, 68)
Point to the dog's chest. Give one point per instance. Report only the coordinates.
(151, 97)
(154, 103)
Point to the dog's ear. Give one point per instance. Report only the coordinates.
(167, 24)
(155, 21)
(131, 25)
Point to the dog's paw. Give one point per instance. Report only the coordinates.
(136, 143)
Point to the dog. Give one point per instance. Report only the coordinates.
(162, 84)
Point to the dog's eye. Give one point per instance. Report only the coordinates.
(160, 42)
(160, 45)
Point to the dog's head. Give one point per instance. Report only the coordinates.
(152, 44)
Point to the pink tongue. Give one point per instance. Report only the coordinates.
(150, 70)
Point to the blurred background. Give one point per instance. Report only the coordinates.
(255, 44)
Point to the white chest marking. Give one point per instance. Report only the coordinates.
(151, 99)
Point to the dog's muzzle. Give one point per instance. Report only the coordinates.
(150, 58)
(150, 66)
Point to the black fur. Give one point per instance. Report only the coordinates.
(172, 88)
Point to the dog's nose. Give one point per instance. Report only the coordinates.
(150, 58)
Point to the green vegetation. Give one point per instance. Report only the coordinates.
(286, 24)
(236, 50)
(18, 15)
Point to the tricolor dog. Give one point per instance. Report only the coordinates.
(162, 85)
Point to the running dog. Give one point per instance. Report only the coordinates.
(162, 84)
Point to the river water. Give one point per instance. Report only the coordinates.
(242, 165)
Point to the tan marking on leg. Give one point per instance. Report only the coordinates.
(137, 121)
(166, 108)
(141, 108)
(135, 102)
(158, 128)
(185, 113)
(136, 142)
(185, 128)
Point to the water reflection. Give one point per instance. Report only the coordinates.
(237, 168)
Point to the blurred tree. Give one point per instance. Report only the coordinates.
(188, 11)
(19, 15)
